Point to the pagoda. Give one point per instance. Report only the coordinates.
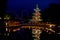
(36, 15)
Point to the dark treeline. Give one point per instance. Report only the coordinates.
(52, 13)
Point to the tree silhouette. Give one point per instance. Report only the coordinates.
(52, 13)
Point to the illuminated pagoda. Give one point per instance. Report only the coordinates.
(37, 15)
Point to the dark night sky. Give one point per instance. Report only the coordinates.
(20, 7)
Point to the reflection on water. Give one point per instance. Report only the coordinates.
(26, 34)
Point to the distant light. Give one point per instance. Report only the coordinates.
(5, 34)
(50, 26)
(59, 33)
(4, 18)
(7, 18)
(0, 18)
(8, 34)
(59, 26)
(16, 29)
(6, 23)
(6, 29)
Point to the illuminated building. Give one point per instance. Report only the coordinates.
(36, 15)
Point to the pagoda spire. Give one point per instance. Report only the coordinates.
(37, 8)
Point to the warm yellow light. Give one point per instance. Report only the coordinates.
(16, 29)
